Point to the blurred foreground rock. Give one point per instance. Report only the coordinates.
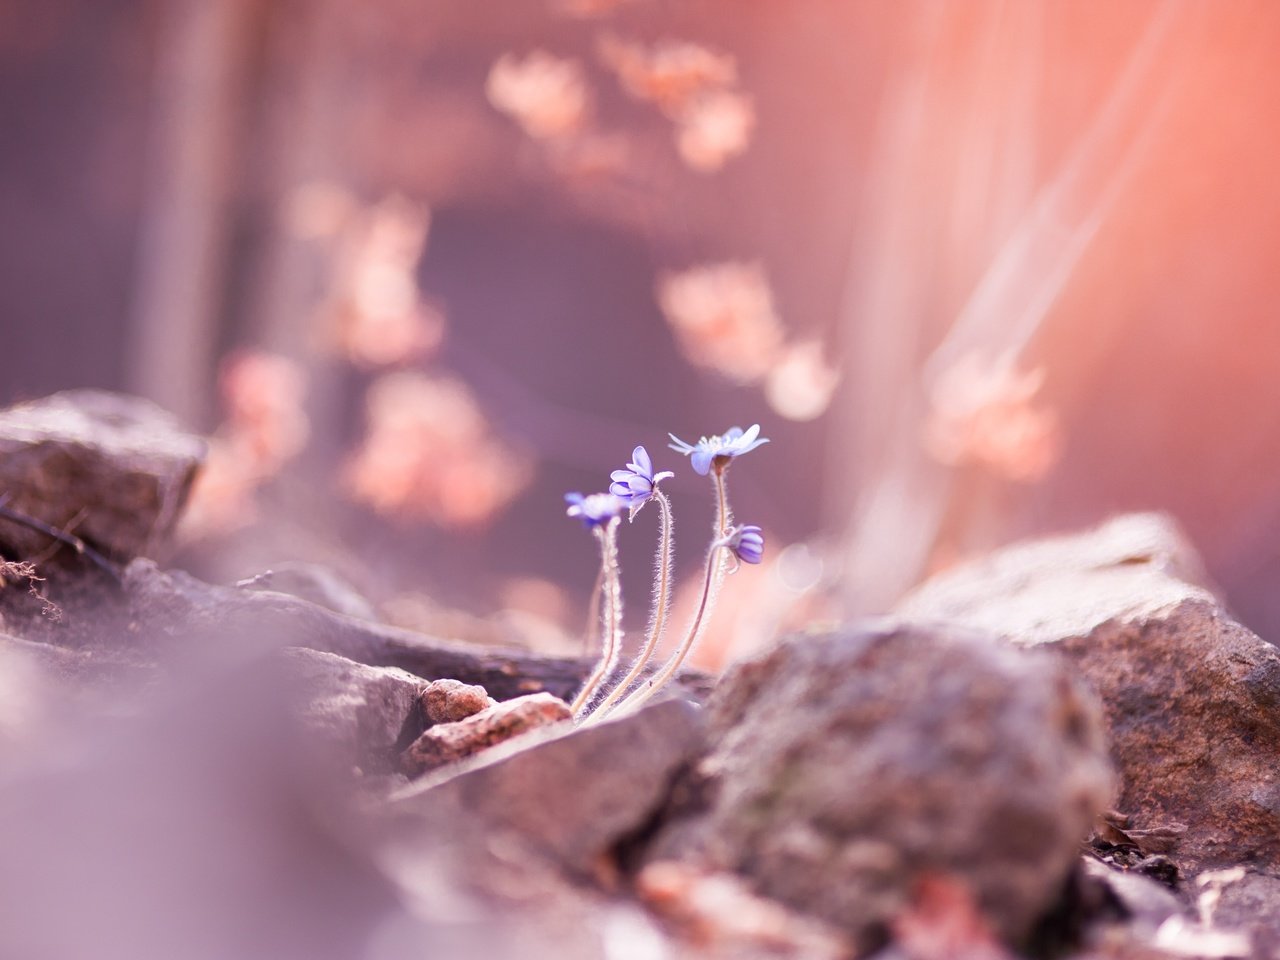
(115, 469)
(563, 795)
(1191, 697)
(849, 766)
(356, 716)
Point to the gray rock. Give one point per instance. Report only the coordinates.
(1250, 905)
(847, 766)
(1191, 697)
(1145, 903)
(315, 583)
(358, 715)
(117, 468)
(445, 743)
(561, 795)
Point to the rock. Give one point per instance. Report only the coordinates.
(1191, 698)
(316, 583)
(117, 469)
(1144, 902)
(447, 701)
(568, 799)
(847, 766)
(171, 604)
(1249, 904)
(358, 715)
(719, 916)
(450, 742)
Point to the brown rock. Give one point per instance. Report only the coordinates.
(1192, 698)
(450, 742)
(564, 796)
(116, 468)
(847, 766)
(358, 715)
(718, 915)
(448, 701)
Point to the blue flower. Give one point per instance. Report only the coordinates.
(595, 509)
(636, 484)
(746, 542)
(719, 450)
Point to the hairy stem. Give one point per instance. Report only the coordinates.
(712, 578)
(608, 537)
(661, 606)
(593, 611)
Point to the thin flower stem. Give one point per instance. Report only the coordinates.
(714, 576)
(661, 607)
(608, 537)
(593, 611)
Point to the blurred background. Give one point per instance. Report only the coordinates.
(981, 270)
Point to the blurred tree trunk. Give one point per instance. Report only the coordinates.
(191, 158)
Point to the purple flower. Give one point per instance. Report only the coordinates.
(718, 450)
(636, 484)
(746, 542)
(595, 509)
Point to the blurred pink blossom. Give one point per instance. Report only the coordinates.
(723, 318)
(378, 314)
(670, 74)
(982, 412)
(714, 128)
(429, 454)
(264, 427)
(548, 96)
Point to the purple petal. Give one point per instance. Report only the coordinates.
(751, 447)
(701, 461)
(620, 490)
(733, 433)
(640, 458)
(679, 446)
(664, 475)
(752, 432)
(622, 476)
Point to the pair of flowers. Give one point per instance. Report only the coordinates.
(637, 484)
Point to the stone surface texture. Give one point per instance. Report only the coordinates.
(448, 701)
(848, 765)
(445, 743)
(1191, 697)
(568, 800)
(117, 469)
(357, 714)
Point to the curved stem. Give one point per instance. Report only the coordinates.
(608, 537)
(711, 581)
(661, 607)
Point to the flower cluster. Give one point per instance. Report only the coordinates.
(632, 487)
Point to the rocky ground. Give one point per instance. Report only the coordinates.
(1064, 750)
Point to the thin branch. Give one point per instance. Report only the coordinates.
(62, 536)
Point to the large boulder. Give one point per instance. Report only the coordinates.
(1191, 697)
(117, 469)
(850, 766)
